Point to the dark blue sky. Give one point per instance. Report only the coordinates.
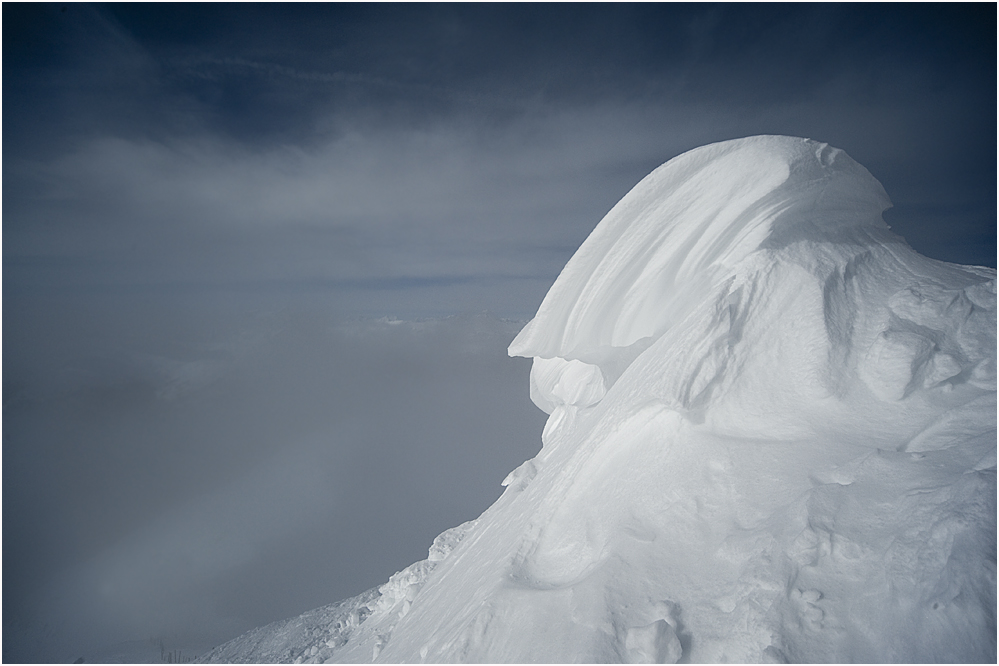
(197, 197)
(381, 147)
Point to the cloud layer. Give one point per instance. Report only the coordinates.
(196, 483)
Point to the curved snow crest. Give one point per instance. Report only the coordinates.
(682, 229)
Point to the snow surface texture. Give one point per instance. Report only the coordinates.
(772, 438)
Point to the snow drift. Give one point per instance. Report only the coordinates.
(772, 437)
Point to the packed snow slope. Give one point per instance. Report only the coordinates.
(772, 438)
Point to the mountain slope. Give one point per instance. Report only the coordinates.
(772, 437)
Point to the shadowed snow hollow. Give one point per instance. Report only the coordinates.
(772, 437)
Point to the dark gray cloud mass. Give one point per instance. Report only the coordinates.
(207, 208)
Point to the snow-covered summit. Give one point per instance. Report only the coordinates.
(772, 437)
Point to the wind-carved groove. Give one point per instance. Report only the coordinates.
(713, 367)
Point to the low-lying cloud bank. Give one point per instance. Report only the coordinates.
(207, 481)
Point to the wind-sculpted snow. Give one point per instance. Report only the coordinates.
(772, 437)
(679, 233)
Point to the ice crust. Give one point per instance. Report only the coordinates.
(772, 438)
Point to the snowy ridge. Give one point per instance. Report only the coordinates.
(772, 437)
(313, 637)
(310, 637)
